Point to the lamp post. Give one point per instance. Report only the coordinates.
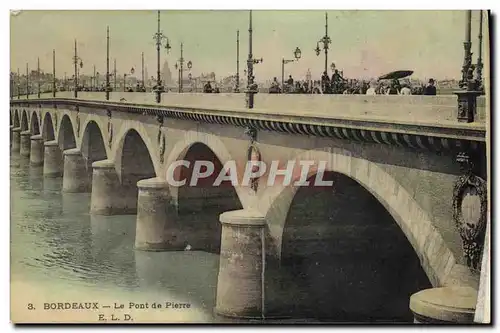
(297, 53)
(107, 64)
(38, 76)
(53, 73)
(467, 96)
(251, 87)
(325, 40)
(27, 83)
(180, 66)
(18, 84)
(479, 67)
(114, 76)
(75, 63)
(237, 86)
(159, 38)
(143, 87)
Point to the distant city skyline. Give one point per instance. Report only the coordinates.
(363, 43)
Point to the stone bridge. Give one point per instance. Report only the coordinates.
(387, 228)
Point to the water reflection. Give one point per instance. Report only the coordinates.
(56, 242)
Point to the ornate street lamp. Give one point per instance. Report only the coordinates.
(325, 40)
(479, 67)
(108, 87)
(54, 73)
(180, 66)
(468, 95)
(159, 37)
(18, 84)
(251, 87)
(27, 83)
(76, 58)
(297, 54)
(38, 77)
(237, 86)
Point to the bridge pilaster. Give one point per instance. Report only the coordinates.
(25, 143)
(37, 150)
(76, 178)
(156, 217)
(16, 139)
(52, 159)
(240, 285)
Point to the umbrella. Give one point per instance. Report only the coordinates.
(396, 75)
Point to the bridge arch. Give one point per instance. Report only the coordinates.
(24, 120)
(35, 123)
(66, 134)
(93, 126)
(215, 145)
(137, 131)
(48, 132)
(357, 175)
(133, 163)
(92, 146)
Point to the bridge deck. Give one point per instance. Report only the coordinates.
(427, 111)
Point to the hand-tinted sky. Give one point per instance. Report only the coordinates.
(364, 43)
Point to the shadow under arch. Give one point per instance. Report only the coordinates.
(66, 136)
(345, 258)
(93, 147)
(48, 128)
(24, 121)
(216, 146)
(199, 203)
(438, 261)
(135, 163)
(35, 124)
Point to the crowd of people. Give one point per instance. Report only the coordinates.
(337, 84)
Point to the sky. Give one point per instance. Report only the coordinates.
(364, 43)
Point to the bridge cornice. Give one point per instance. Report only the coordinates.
(416, 135)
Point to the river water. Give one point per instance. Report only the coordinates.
(62, 254)
(60, 251)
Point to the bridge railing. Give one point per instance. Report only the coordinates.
(425, 109)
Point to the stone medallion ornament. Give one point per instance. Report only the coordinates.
(469, 213)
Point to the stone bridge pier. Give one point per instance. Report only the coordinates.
(380, 239)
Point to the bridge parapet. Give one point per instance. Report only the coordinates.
(407, 131)
(421, 109)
